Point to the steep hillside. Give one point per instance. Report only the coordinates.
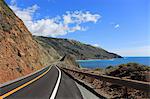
(75, 48)
(19, 53)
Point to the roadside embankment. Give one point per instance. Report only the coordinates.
(111, 90)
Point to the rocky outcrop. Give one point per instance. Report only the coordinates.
(19, 53)
(76, 49)
(70, 61)
(132, 71)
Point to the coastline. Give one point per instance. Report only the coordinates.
(99, 63)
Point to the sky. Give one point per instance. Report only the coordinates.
(119, 26)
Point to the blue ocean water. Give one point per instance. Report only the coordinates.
(113, 62)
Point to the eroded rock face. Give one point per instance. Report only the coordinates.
(19, 53)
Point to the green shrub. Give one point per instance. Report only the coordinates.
(98, 69)
(6, 27)
(109, 67)
(19, 69)
(131, 70)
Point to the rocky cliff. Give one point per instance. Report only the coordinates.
(19, 53)
(75, 48)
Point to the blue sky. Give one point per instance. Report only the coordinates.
(119, 26)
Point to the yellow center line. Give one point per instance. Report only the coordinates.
(22, 86)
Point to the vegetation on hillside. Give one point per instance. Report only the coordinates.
(76, 49)
(133, 71)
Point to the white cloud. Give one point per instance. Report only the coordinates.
(25, 14)
(116, 26)
(67, 19)
(60, 25)
(135, 51)
(13, 2)
(80, 17)
(96, 45)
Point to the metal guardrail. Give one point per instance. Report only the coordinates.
(139, 85)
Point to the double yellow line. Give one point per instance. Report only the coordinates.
(24, 85)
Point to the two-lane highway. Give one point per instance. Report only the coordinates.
(53, 84)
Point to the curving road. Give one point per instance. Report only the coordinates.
(55, 84)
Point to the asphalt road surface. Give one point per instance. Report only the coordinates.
(55, 84)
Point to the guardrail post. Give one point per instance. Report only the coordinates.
(104, 84)
(147, 95)
(92, 80)
(125, 92)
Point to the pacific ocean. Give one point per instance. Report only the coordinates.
(97, 63)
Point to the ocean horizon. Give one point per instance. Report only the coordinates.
(103, 63)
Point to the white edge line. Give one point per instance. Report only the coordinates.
(57, 85)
